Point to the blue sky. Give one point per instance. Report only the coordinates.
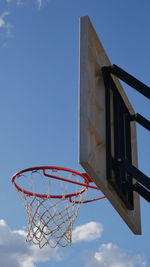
(39, 59)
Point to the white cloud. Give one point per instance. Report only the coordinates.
(110, 255)
(2, 20)
(5, 26)
(21, 2)
(2, 23)
(39, 3)
(15, 252)
(87, 232)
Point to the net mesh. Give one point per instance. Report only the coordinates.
(51, 220)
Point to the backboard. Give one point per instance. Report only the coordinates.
(93, 129)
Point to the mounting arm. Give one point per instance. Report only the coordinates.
(129, 79)
(142, 186)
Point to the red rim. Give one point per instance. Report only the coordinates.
(44, 168)
(86, 201)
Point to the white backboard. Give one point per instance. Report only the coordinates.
(92, 135)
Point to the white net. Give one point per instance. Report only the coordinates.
(50, 220)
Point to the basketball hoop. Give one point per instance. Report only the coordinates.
(51, 215)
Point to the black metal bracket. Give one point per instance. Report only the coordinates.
(129, 79)
(142, 186)
(141, 120)
(134, 83)
(120, 171)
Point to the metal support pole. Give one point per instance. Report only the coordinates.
(141, 120)
(142, 191)
(129, 79)
(137, 174)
